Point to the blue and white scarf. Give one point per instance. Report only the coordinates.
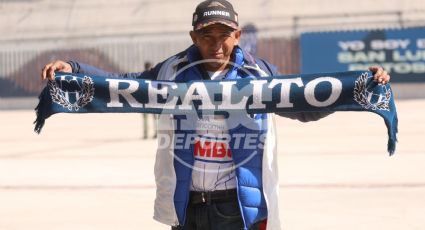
(325, 92)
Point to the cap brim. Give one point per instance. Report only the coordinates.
(213, 21)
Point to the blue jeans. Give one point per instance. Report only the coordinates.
(214, 216)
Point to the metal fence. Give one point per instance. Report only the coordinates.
(21, 60)
(20, 68)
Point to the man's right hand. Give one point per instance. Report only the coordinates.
(48, 71)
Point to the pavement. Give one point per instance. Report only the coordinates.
(94, 172)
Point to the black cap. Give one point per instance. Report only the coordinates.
(214, 11)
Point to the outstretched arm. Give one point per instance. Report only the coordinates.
(49, 70)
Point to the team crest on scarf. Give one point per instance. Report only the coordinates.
(368, 98)
(78, 91)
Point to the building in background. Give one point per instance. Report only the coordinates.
(121, 35)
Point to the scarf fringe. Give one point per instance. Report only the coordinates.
(41, 110)
(392, 135)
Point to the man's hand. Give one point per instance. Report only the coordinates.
(49, 69)
(380, 75)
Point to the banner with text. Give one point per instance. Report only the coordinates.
(401, 52)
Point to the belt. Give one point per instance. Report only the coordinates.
(213, 196)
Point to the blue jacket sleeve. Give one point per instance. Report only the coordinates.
(78, 67)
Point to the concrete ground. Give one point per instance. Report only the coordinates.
(93, 172)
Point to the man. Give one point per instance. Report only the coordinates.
(215, 182)
(147, 117)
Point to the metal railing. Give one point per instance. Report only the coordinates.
(21, 60)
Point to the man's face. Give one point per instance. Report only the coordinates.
(216, 42)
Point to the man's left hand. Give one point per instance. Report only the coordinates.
(380, 75)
